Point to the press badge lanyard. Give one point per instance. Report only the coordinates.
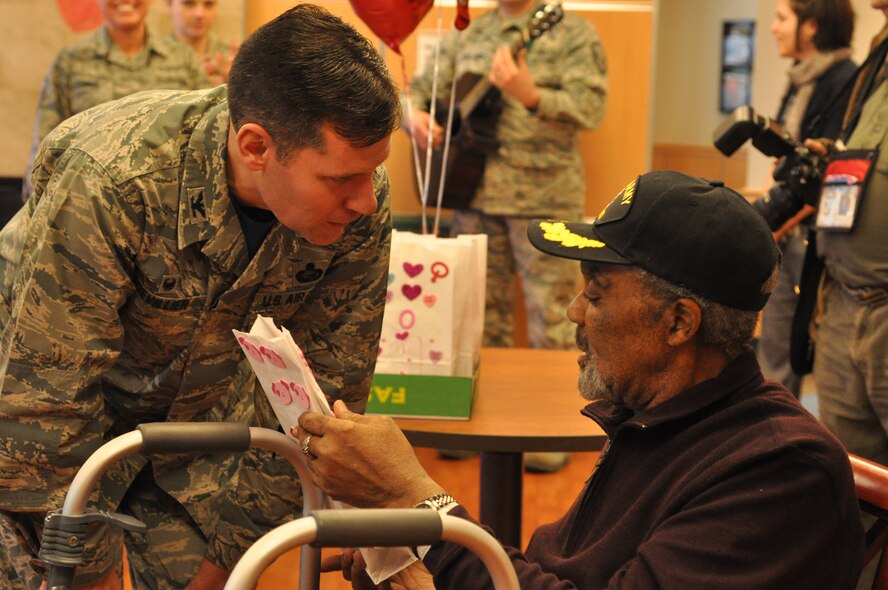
(849, 171)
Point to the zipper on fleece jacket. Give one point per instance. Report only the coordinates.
(603, 463)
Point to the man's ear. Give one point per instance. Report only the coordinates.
(254, 146)
(685, 318)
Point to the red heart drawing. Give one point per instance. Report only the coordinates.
(429, 299)
(436, 355)
(411, 292)
(282, 392)
(412, 269)
(402, 335)
(301, 394)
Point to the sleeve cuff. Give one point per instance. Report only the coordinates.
(421, 550)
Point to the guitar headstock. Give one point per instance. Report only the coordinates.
(543, 19)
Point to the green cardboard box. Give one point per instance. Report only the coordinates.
(422, 396)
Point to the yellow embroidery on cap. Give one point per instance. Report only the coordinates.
(624, 197)
(628, 193)
(558, 232)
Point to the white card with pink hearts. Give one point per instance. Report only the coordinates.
(283, 372)
(434, 310)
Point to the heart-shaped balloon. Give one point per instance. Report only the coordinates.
(80, 15)
(392, 20)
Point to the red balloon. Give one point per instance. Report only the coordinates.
(80, 15)
(392, 20)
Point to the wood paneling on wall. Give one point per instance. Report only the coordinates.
(613, 154)
(705, 161)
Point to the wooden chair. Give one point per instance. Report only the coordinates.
(871, 481)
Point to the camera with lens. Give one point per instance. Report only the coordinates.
(799, 171)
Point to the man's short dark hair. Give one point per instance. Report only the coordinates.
(305, 68)
(834, 20)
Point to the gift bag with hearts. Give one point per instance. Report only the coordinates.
(433, 322)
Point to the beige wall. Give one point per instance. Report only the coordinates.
(31, 33)
(688, 54)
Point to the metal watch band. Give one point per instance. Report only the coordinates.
(436, 502)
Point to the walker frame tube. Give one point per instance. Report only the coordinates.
(422, 526)
(200, 437)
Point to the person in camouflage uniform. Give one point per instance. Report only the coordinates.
(118, 59)
(192, 22)
(159, 223)
(550, 93)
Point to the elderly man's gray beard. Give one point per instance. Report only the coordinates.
(592, 386)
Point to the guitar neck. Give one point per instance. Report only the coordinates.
(479, 91)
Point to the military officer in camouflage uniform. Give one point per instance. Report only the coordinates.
(158, 224)
(550, 93)
(120, 58)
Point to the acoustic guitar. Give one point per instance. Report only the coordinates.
(473, 130)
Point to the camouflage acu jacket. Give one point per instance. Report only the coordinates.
(121, 280)
(537, 170)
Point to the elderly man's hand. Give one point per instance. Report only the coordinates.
(364, 461)
(354, 569)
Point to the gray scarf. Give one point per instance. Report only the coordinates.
(803, 76)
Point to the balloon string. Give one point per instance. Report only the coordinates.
(414, 147)
(443, 175)
(432, 112)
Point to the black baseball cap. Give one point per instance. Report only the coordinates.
(690, 231)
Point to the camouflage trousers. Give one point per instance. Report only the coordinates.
(548, 283)
(166, 557)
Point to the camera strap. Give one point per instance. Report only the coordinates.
(865, 81)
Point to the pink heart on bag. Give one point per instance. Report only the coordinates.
(402, 335)
(411, 292)
(429, 299)
(412, 269)
(436, 355)
(389, 296)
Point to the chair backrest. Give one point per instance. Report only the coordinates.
(871, 481)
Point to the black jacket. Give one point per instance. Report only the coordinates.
(732, 484)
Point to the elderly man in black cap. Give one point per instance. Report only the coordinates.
(712, 477)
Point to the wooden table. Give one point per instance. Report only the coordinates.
(527, 400)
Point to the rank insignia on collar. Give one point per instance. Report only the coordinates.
(197, 205)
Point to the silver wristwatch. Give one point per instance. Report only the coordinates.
(436, 502)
